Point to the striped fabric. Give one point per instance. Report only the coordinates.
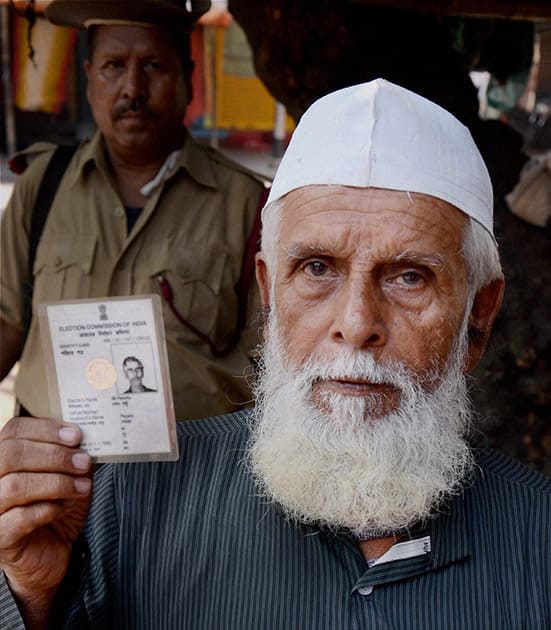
(192, 545)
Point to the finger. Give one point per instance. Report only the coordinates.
(20, 489)
(30, 456)
(19, 522)
(41, 430)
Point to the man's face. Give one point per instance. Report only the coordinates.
(133, 371)
(373, 270)
(361, 401)
(136, 90)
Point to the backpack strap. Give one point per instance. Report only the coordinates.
(45, 196)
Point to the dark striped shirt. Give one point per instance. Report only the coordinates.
(192, 545)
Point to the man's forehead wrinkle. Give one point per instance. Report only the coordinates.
(372, 205)
(307, 194)
(373, 225)
(363, 251)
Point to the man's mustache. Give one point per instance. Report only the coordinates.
(356, 366)
(134, 106)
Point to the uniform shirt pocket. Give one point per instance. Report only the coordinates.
(62, 267)
(202, 283)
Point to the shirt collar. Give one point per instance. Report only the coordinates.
(448, 532)
(447, 536)
(92, 152)
(192, 158)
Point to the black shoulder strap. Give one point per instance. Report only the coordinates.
(45, 196)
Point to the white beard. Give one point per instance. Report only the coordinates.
(338, 465)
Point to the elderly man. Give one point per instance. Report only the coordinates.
(349, 498)
(133, 370)
(140, 209)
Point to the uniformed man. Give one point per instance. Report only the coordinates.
(140, 209)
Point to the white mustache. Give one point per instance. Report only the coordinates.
(354, 366)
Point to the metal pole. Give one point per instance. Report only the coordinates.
(211, 41)
(7, 81)
(278, 145)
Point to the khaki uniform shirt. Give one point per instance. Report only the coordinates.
(193, 228)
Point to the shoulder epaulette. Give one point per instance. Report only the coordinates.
(19, 162)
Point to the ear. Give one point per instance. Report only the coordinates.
(483, 313)
(263, 279)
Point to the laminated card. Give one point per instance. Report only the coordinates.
(107, 371)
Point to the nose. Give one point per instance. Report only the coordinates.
(135, 84)
(359, 319)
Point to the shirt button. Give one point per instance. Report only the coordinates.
(57, 261)
(119, 212)
(365, 590)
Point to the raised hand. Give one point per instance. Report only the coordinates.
(45, 492)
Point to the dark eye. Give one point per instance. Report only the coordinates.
(410, 278)
(152, 65)
(112, 68)
(316, 268)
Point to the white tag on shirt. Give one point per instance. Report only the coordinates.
(403, 550)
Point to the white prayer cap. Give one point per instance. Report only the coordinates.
(380, 135)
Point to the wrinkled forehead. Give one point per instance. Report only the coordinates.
(332, 209)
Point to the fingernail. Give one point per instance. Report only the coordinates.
(68, 434)
(81, 461)
(83, 484)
